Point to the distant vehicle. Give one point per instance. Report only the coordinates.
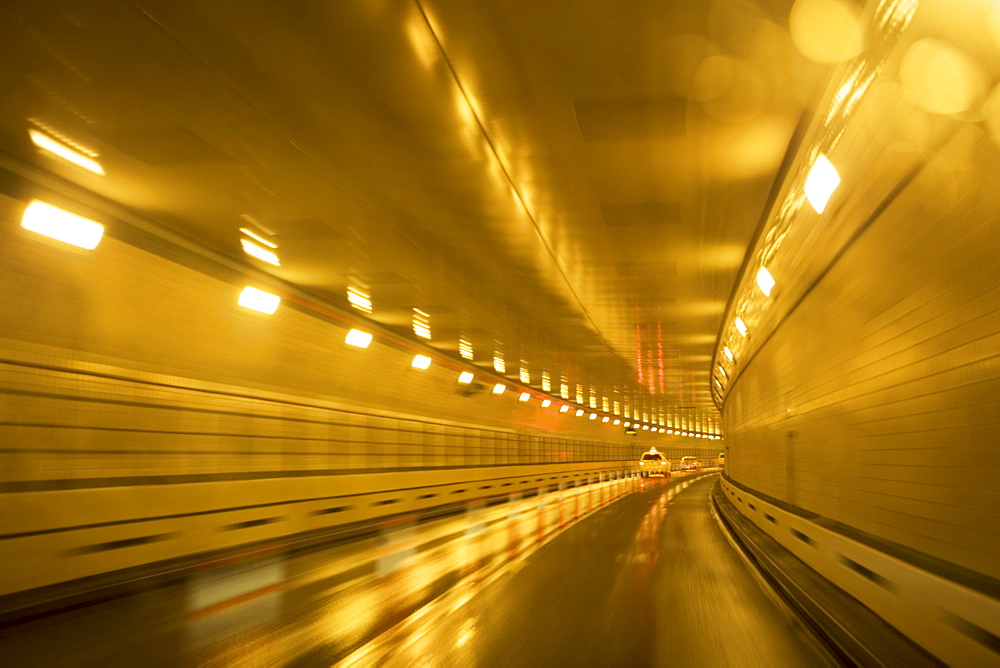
(721, 461)
(653, 463)
(690, 464)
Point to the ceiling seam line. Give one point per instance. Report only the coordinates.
(507, 175)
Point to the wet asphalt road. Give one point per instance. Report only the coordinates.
(648, 581)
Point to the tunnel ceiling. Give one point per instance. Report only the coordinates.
(569, 186)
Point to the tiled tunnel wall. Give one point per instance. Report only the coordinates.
(875, 404)
(134, 392)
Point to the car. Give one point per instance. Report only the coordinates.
(690, 464)
(653, 463)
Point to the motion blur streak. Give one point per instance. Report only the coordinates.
(758, 232)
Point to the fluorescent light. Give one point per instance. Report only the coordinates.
(723, 372)
(421, 324)
(359, 299)
(62, 225)
(47, 143)
(741, 326)
(579, 412)
(670, 431)
(546, 403)
(524, 396)
(617, 421)
(593, 416)
(627, 424)
(499, 388)
(465, 348)
(258, 300)
(661, 430)
(465, 377)
(564, 408)
(823, 179)
(645, 426)
(765, 281)
(421, 362)
(250, 248)
(259, 238)
(729, 353)
(356, 337)
(605, 419)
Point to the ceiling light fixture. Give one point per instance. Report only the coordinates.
(421, 362)
(765, 281)
(465, 377)
(499, 388)
(741, 326)
(257, 237)
(62, 225)
(258, 300)
(250, 248)
(57, 148)
(357, 338)
(823, 179)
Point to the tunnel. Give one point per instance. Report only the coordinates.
(496, 333)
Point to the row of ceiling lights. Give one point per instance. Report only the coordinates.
(62, 225)
(822, 180)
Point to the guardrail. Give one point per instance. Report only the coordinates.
(956, 624)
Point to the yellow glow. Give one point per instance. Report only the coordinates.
(605, 419)
(499, 388)
(258, 238)
(62, 225)
(258, 300)
(498, 364)
(645, 427)
(47, 143)
(579, 412)
(827, 31)
(670, 431)
(563, 409)
(765, 281)
(723, 372)
(465, 348)
(661, 430)
(356, 337)
(617, 421)
(939, 78)
(546, 403)
(741, 326)
(524, 396)
(421, 362)
(628, 424)
(250, 248)
(729, 353)
(823, 179)
(465, 377)
(593, 416)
